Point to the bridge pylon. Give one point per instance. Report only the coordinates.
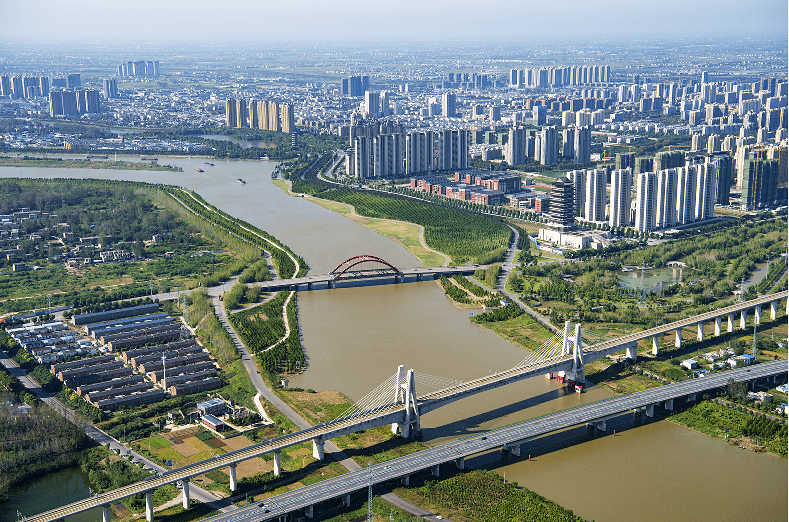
(411, 410)
(399, 393)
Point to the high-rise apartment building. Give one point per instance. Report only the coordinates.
(419, 152)
(92, 101)
(70, 103)
(56, 103)
(82, 101)
(252, 111)
(230, 113)
(363, 166)
(583, 144)
(578, 177)
(273, 117)
(110, 88)
(594, 195)
(646, 200)
(705, 191)
(288, 118)
(686, 192)
(724, 167)
(389, 155)
(372, 104)
(621, 196)
(262, 113)
(448, 101)
(549, 146)
(759, 182)
(17, 87)
(73, 81)
(515, 149)
(453, 149)
(241, 113)
(666, 201)
(568, 142)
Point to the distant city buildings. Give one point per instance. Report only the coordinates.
(138, 69)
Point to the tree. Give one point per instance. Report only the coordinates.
(736, 389)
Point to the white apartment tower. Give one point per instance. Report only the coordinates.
(621, 196)
(594, 199)
(419, 152)
(686, 190)
(578, 177)
(706, 174)
(453, 150)
(666, 211)
(646, 201)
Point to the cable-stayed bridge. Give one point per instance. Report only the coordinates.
(402, 398)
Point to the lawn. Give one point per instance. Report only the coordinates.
(407, 234)
(522, 331)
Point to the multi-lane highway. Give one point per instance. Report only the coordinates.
(337, 487)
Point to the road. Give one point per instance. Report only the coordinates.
(430, 458)
(101, 437)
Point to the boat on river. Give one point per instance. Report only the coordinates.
(199, 169)
(241, 181)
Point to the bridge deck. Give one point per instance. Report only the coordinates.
(358, 480)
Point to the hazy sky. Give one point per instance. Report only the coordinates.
(266, 20)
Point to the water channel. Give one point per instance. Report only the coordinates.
(355, 338)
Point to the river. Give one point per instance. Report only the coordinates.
(355, 338)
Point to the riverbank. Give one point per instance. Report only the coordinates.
(49, 162)
(410, 235)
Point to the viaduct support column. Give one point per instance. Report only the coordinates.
(105, 513)
(700, 333)
(317, 448)
(277, 464)
(730, 326)
(632, 351)
(309, 286)
(743, 317)
(185, 490)
(308, 511)
(655, 344)
(678, 337)
(233, 482)
(669, 404)
(717, 326)
(650, 410)
(435, 470)
(460, 463)
(773, 310)
(757, 314)
(149, 505)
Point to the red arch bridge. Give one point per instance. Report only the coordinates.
(366, 267)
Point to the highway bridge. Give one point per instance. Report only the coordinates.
(396, 402)
(366, 267)
(508, 438)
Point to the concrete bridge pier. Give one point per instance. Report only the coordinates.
(669, 404)
(330, 284)
(418, 277)
(277, 464)
(650, 410)
(308, 512)
(514, 449)
(309, 286)
(631, 350)
(233, 480)
(718, 326)
(460, 463)
(185, 492)
(678, 338)
(743, 317)
(730, 326)
(406, 480)
(105, 513)
(773, 310)
(692, 397)
(149, 505)
(655, 344)
(434, 470)
(317, 448)
(700, 330)
(399, 392)
(757, 314)
(346, 500)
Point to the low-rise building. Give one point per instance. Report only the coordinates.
(690, 364)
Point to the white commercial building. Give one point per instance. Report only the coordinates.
(621, 196)
(646, 201)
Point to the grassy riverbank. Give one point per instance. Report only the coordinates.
(55, 162)
(482, 496)
(745, 429)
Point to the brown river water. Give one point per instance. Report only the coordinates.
(355, 338)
